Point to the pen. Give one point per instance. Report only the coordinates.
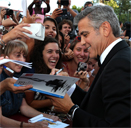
(59, 71)
(8, 69)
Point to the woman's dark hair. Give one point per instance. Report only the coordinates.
(73, 44)
(54, 21)
(63, 41)
(37, 56)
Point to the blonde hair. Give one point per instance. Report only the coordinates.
(11, 45)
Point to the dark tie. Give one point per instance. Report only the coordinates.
(98, 59)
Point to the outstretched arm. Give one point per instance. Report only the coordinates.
(36, 103)
(7, 122)
(8, 84)
(46, 10)
(30, 7)
(31, 112)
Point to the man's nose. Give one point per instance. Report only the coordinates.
(83, 42)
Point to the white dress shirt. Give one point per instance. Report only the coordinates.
(108, 49)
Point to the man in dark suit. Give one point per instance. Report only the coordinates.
(107, 103)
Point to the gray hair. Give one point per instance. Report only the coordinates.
(11, 45)
(99, 14)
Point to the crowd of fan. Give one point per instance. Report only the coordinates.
(61, 48)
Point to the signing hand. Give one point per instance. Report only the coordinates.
(54, 70)
(62, 105)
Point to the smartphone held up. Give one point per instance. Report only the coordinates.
(40, 20)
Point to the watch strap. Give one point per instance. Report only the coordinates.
(72, 109)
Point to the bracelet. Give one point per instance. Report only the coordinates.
(2, 43)
(21, 124)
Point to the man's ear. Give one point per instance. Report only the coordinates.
(106, 28)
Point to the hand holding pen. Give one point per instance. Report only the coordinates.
(59, 72)
(1, 66)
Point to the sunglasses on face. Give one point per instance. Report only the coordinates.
(78, 38)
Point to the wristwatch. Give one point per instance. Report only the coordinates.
(71, 112)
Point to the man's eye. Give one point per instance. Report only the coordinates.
(85, 35)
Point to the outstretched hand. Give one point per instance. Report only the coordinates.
(29, 18)
(8, 84)
(17, 33)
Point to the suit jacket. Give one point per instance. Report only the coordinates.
(107, 103)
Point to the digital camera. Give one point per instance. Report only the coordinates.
(65, 2)
(20, 15)
(64, 11)
(9, 11)
(81, 66)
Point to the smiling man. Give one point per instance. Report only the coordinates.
(107, 103)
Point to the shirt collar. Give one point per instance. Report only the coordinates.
(108, 49)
